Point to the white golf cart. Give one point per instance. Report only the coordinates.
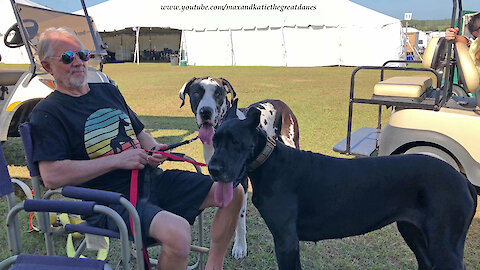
(21, 90)
(426, 117)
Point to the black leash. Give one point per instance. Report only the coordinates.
(175, 145)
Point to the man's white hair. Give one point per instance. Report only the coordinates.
(47, 38)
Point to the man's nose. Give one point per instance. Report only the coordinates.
(77, 60)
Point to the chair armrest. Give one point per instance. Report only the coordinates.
(88, 194)
(72, 207)
(85, 228)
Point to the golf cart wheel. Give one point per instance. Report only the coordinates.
(434, 152)
(458, 91)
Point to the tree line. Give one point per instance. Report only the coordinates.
(429, 25)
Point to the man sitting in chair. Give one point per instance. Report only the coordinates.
(86, 135)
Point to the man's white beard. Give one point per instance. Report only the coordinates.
(77, 82)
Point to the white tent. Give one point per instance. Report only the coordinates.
(12, 55)
(274, 33)
(335, 32)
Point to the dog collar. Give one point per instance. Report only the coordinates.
(263, 156)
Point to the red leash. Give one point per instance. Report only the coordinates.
(134, 193)
(133, 201)
(175, 157)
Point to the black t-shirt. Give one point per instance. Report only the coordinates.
(94, 125)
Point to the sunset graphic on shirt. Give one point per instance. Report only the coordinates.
(108, 131)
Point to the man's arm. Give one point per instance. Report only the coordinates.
(146, 140)
(148, 143)
(60, 173)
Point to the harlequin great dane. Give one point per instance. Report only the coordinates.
(310, 197)
(209, 102)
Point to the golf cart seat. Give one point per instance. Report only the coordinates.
(403, 86)
(10, 76)
(434, 52)
(413, 87)
(467, 72)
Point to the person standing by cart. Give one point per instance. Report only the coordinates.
(474, 43)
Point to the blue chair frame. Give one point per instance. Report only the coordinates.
(28, 261)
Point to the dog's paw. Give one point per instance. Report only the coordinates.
(239, 251)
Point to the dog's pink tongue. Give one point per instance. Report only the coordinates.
(223, 194)
(206, 134)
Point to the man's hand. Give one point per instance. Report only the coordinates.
(155, 160)
(132, 159)
(148, 143)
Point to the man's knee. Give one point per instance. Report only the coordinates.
(173, 232)
(180, 244)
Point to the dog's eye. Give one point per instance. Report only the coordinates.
(217, 93)
(196, 94)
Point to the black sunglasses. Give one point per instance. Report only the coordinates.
(68, 56)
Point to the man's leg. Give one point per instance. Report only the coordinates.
(223, 226)
(174, 233)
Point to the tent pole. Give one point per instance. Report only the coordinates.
(231, 47)
(406, 38)
(183, 48)
(284, 47)
(137, 47)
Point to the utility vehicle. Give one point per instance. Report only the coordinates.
(426, 117)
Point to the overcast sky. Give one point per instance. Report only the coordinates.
(421, 9)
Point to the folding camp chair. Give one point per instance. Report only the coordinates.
(98, 196)
(28, 261)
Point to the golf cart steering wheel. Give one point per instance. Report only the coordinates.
(16, 41)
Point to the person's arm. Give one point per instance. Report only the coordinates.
(60, 173)
(149, 143)
(451, 34)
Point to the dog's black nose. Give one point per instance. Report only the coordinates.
(206, 113)
(215, 169)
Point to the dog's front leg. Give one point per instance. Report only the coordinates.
(239, 249)
(280, 215)
(287, 251)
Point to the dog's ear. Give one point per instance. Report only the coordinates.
(253, 117)
(184, 90)
(228, 87)
(232, 111)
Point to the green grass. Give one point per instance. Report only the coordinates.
(318, 97)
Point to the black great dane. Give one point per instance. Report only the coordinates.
(310, 197)
(209, 102)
